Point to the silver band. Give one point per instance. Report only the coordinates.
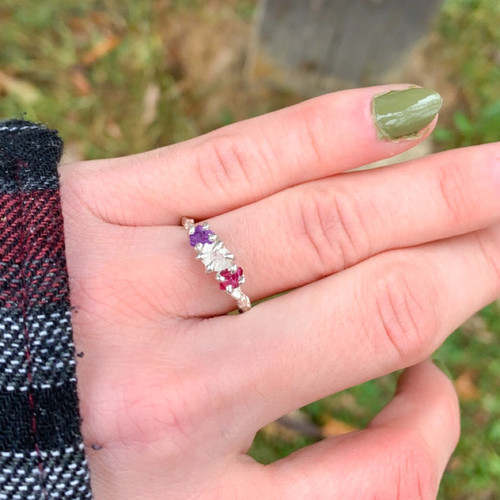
(217, 258)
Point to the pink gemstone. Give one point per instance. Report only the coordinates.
(230, 278)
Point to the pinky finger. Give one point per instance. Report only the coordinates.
(402, 454)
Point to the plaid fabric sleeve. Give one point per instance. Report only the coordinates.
(41, 449)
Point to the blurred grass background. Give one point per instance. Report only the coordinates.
(122, 76)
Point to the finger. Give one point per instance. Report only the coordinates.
(329, 225)
(388, 312)
(241, 163)
(403, 453)
(313, 230)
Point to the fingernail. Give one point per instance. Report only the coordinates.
(438, 361)
(403, 113)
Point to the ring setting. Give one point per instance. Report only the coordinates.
(217, 258)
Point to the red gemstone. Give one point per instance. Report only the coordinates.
(230, 278)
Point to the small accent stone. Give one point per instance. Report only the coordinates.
(244, 304)
(200, 235)
(231, 278)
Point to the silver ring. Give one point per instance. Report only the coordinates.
(217, 258)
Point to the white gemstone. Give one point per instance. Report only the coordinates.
(215, 257)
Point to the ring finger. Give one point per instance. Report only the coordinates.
(311, 231)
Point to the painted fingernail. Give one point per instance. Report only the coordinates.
(438, 361)
(403, 113)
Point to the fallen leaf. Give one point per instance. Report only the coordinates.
(466, 387)
(335, 427)
(80, 82)
(100, 49)
(275, 431)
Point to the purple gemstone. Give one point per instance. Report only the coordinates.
(200, 235)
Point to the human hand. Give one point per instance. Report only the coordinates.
(385, 264)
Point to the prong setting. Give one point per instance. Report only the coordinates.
(217, 258)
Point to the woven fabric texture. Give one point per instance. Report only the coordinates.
(41, 449)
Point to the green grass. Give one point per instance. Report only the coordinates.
(101, 104)
(104, 114)
(469, 44)
(156, 84)
(476, 464)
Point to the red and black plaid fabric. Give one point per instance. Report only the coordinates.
(41, 449)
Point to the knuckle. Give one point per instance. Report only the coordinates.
(312, 120)
(452, 184)
(332, 225)
(225, 161)
(403, 318)
(489, 251)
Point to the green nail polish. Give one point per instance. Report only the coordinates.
(403, 113)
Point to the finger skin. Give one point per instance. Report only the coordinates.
(402, 454)
(387, 313)
(319, 228)
(241, 163)
(311, 231)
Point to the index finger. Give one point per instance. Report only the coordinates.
(247, 161)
